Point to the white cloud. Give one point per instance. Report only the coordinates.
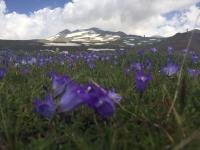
(131, 16)
(2, 7)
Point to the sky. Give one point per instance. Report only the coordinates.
(29, 6)
(32, 19)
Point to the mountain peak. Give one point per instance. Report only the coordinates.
(191, 31)
(95, 36)
(195, 31)
(66, 31)
(95, 29)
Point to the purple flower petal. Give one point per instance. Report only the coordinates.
(72, 98)
(2, 73)
(102, 101)
(154, 50)
(170, 69)
(142, 81)
(45, 108)
(59, 84)
(137, 66)
(195, 59)
(114, 96)
(193, 72)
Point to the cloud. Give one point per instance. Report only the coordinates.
(2, 7)
(141, 17)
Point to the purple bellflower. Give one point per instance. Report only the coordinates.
(73, 97)
(2, 73)
(154, 50)
(170, 69)
(91, 66)
(127, 71)
(137, 66)
(46, 108)
(140, 53)
(142, 80)
(195, 59)
(102, 101)
(59, 83)
(193, 72)
(148, 64)
(170, 50)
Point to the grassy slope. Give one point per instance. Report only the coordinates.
(140, 122)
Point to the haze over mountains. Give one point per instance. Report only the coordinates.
(97, 38)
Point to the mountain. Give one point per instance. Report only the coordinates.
(157, 36)
(96, 37)
(180, 41)
(99, 39)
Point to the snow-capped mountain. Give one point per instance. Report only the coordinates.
(95, 36)
(64, 40)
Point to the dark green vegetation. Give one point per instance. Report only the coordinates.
(141, 121)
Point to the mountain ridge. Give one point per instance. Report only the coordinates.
(96, 36)
(178, 41)
(181, 40)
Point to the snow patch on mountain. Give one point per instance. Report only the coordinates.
(95, 36)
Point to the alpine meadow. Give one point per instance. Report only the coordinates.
(118, 76)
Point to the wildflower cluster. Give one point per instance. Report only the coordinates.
(72, 95)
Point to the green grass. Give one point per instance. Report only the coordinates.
(140, 122)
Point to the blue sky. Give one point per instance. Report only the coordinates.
(198, 4)
(28, 6)
(171, 14)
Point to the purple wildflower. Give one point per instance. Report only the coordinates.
(73, 97)
(107, 58)
(114, 96)
(142, 81)
(195, 59)
(169, 60)
(70, 65)
(154, 50)
(193, 72)
(25, 70)
(148, 64)
(91, 66)
(51, 74)
(102, 101)
(115, 62)
(137, 66)
(45, 108)
(59, 83)
(170, 69)
(127, 71)
(2, 73)
(140, 53)
(185, 50)
(170, 50)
